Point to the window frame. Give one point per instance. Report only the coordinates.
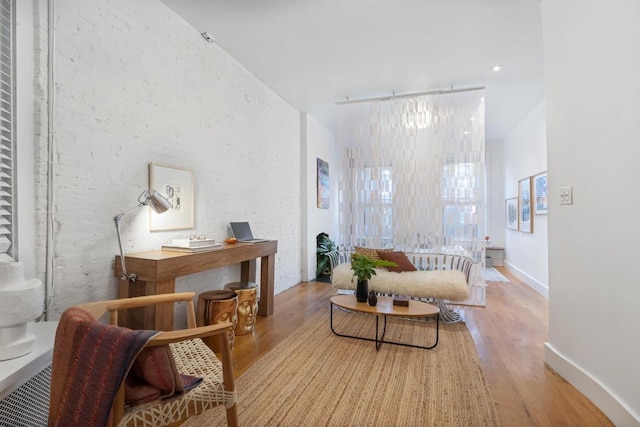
(8, 193)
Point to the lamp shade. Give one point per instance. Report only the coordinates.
(158, 202)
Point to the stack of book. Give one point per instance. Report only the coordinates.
(188, 245)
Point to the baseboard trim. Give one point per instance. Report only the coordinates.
(540, 288)
(594, 390)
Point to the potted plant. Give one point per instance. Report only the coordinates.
(363, 268)
(323, 251)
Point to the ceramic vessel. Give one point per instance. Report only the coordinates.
(373, 299)
(362, 290)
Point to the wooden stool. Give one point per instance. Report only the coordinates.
(217, 307)
(247, 305)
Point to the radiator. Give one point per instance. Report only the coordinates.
(28, 405)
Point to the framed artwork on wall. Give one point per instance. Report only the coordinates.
(525, 216)
(511, 213)
(540, 193)
(323, 184)
(176, 184)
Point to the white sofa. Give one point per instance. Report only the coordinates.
(443, 277)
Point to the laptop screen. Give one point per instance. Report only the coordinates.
(241, 230)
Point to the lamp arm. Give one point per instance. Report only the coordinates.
(116, 220)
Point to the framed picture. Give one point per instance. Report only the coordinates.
(540, 193)
(511, 213)
(176, 184)
(525, 216)
(323, 184)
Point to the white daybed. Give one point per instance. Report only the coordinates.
(445, 277)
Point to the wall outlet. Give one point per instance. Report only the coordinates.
(566, 195)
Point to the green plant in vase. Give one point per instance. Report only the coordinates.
(363, 268)
(325, 247)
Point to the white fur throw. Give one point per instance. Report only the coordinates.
(442, 284)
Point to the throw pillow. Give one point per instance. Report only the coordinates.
(399, 258)
(370, 252)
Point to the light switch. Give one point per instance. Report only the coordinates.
(566, 195)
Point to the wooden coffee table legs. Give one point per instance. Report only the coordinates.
(379, 339)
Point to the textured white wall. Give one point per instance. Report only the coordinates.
(320, 143)
(495, 192)
(136, 84)
(592, 64)
(525, 154)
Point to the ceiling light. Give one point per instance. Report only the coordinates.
(496, 68)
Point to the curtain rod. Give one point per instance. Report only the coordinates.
(408, 95)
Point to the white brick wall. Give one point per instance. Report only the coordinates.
(135, 84)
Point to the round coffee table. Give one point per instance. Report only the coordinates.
(385, 308)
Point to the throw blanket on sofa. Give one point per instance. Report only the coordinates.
(442, 284)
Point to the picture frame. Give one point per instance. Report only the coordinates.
(323, 184)
(176, 185)
(511, 213)
(540, 199)
(525, 214)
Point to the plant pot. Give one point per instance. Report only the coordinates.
(362, 291)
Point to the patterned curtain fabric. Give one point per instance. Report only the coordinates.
(412, 174)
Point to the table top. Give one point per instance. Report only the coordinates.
(385, 306)
(159, 254)
(159, 265)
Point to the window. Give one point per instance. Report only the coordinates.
(7, 161)
(461, 199)
(375, 200)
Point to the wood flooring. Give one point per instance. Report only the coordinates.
(509, 334)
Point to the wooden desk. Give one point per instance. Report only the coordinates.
(157, 271)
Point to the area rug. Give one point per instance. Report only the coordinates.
(314, 378)
(493, 275)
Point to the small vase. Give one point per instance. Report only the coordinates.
(362, 290)
(373, 299)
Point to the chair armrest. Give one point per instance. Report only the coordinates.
(169, 337)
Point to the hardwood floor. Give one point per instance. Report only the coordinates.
(509, 334)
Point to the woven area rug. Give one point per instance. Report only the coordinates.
(493, 275)
(314, 378)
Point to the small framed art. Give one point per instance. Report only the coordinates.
(176, 184)
(511, 213)
(323, 184)
(525, 217)
(540, 193)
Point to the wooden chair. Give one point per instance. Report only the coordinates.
(191, 356)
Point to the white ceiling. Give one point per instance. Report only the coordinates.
(315, 53)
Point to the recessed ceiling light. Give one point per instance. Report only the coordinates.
(496, 67)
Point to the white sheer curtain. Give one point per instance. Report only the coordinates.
(412, 173)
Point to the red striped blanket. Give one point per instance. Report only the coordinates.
(90, 360)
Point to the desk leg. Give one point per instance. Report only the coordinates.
(163, 315)
(158, 318)
(267, 285)
(248, 271)
(123, 292)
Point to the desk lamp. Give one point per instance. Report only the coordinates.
(159, 205)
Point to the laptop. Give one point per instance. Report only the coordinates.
(242, 232)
